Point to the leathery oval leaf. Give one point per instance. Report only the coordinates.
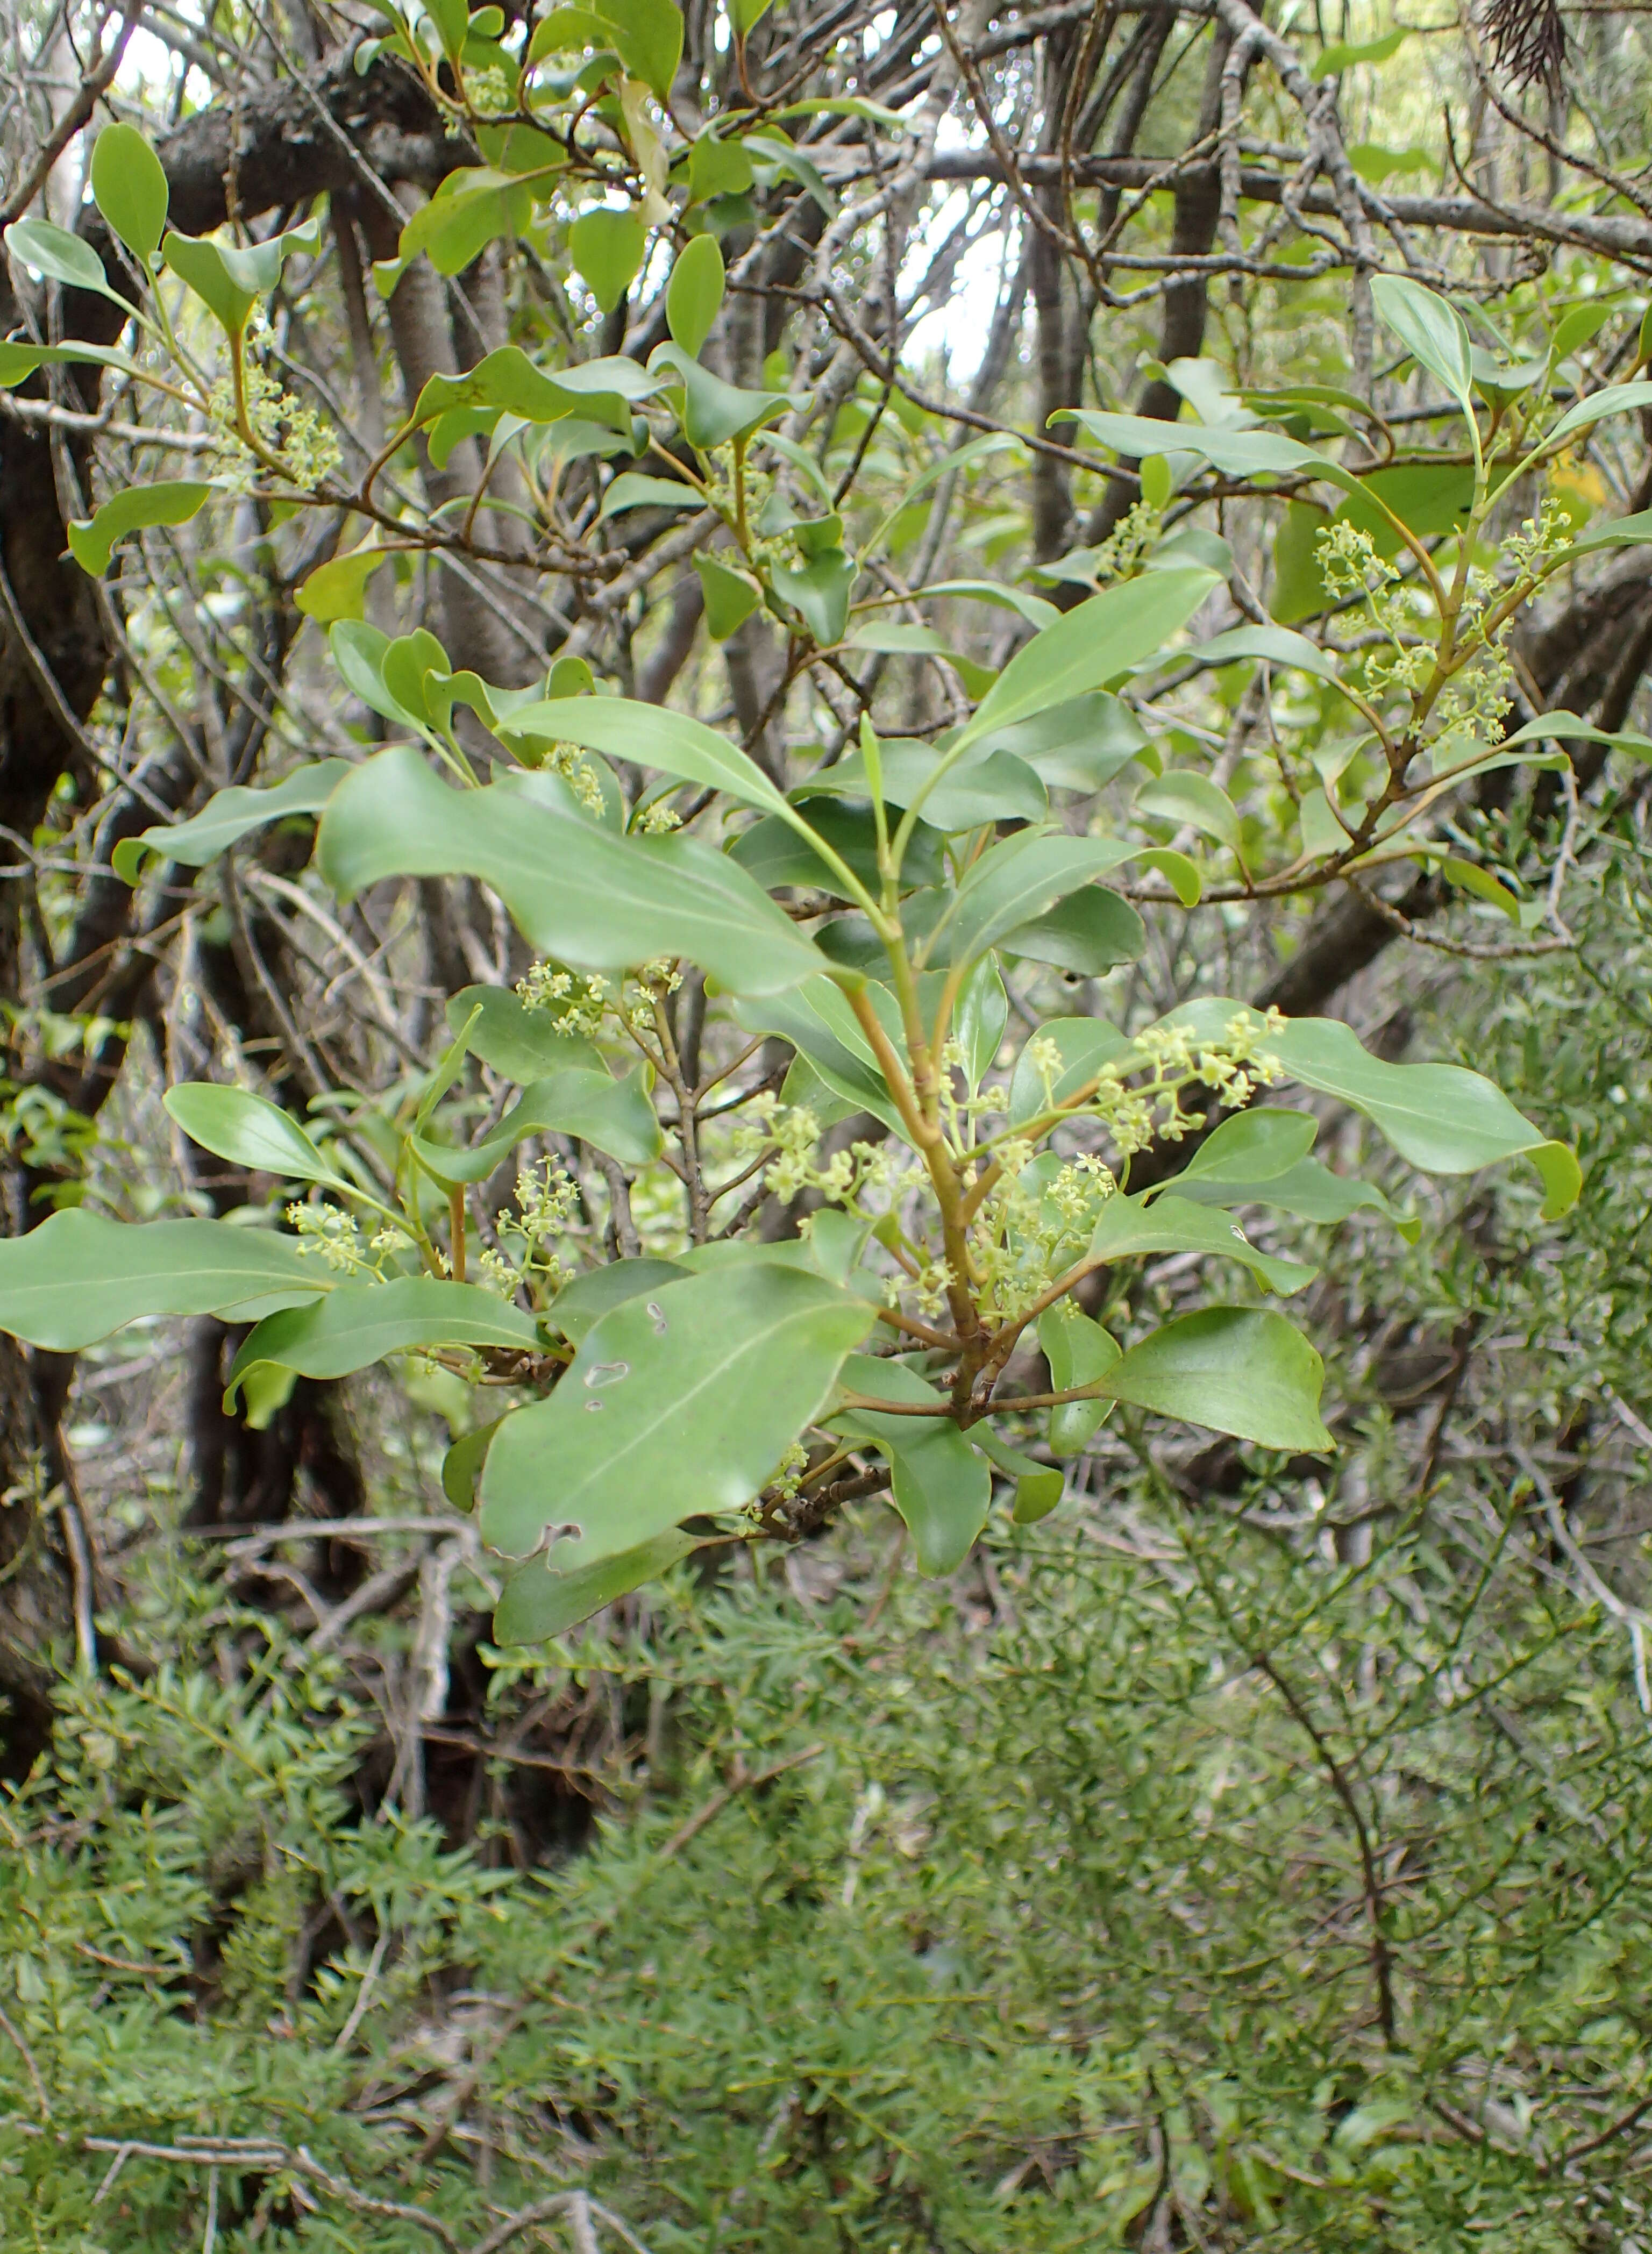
(679, 1403)
(129, 185)
(537, 1602)
(1130, 1228)
(1102, 638)
(92, 539)
(1020, 879)
(227, 817)
(246, 1130)
(359, 1324)
(579, 892)
(1078, 1351)
(80, 1275)
(939, 1483)
(672, 743)
(1039, 1487)
(611, 1115)
(1244, 1370)
(695, 293)
(1253, 1145)
(522, 1041)
(581, 1305)
(1442, 1118)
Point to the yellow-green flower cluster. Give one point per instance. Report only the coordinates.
(546, 1198)
(333, 1233)
(304, 445)
(578, 1001)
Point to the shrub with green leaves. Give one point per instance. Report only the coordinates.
(959, 1286)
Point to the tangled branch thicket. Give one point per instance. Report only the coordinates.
(1248, 1855)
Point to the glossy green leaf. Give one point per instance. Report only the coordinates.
(731, 596)
(818, 591)
(1618, 532)
(632, 490)
(717, 167)
(1020, 880)
(589, 1298)
(1131, 1228)
(1570, 727)
(1502, 379)
(611, 1115)
(473, 207)
(19, 362)
(978, 1019)
(1254, 1146)
(1179, 873)
(1578, 326)
(129, 185)
(358, 1324)
(607, 246)
(648, 34)
(776, 854)
(462, 1465)
(778, 157)
(452, 20)
(1079, 1352)
(227, 817)
(1033, 608)
(670, 743)
(597, 390)
(1430, 497)
(1078, 745)
(694, 295)
(1241, 1370)
(1235, 453)
(246, 1130)
(578, 894)
(714, 412)
(1182, 796)
(79, 1276)
(1277, 644)
(1307, 1189)
(563, 30)
(92, 538)
(1470, 877)
(537, 1603)
(1089, 932)
(894, 638)
(820, 1025)
(202, 266)
(524, 1043)
(387, 675)
(1039, 1487)
(940, 1485)
(984, 785)
(677, 1404)
(60, 257)
(1442, 1118)
(337, 589)
(1092, 645)
(1615, 399)
(1429, 327)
